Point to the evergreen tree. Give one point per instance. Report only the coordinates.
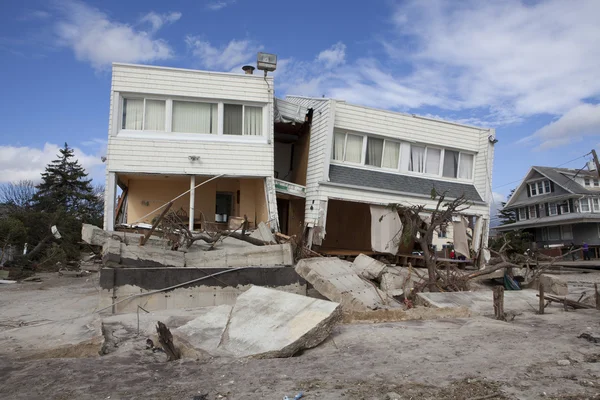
(65, 187)
(507, 216)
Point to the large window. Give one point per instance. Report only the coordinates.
(532, 212)
(596, 204)
(450, 163)
(553, 233)
(347, 147)
(552, 209)
(185, 116)
(425, 159)
(374, 152)
(242, 120)
(584, 205)
(522, 213)
(391, 155)
(194, 117)
(417, 159)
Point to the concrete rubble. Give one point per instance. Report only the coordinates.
(264, 323)
(554, 284)
(481, 302)
(121, 249)
(262, 232)
(338, 281)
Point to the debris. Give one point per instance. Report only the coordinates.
(554, 285)
(33, 279)
(542, 303)
(499, 303)
(336, 280)
(72, 274)
(368, 267)
(566, 302)
(563, 363)
(6, 281)
(262, 232)
(166, 340)
(392, 396)
(296, 397)
(589, 338)
(268, 323)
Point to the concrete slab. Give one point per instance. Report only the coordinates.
(336, 280)
(149, 256)
(368, 267)
(268, 323)
(481, 302)
(273, 255)
(262, 232)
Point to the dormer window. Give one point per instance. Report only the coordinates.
(540, 187)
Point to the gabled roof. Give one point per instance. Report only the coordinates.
(563, 177)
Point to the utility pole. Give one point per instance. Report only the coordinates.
(596, 162)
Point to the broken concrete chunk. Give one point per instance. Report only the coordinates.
(554, 284)
(269, 323)
(336, 280)
(149, 256)
(278, 254)
(262, 232)
(111, 253)
(368, 267)
(395, 281)
(93, 235)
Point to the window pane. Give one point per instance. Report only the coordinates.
(232, 119)
(596, 204)
(354, 148)
(465, 169)
(450, 164)
(540, 187)
(133, 113)
(253, 121)
(584, 205)
(391, 155)
(532, 212)
(533, 189)
(374, 152)
(190, 117)
(587, 181)
(155, 115)
(596, 182)
(553, 210)
(417, 159)
(547, 186)
(553, 233)
(433, 161)
(339, 140)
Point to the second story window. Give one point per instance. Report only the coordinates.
(586, 181)
(584, 205)
(596, 204)
(242, 120)
(552, 209)
(532, 212)
(144, 114)
(538, 188)
(522, 213)
(347, 147)
(194, 117)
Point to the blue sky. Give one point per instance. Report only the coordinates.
(528, 69)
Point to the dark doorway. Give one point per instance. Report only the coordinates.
(224, 205)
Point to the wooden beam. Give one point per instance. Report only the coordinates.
(542, 301)
(120, 203)
(155, 224)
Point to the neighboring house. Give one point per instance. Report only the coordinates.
(559, 206)
(362, 159)
(314, 167)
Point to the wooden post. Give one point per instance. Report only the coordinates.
(192, 202)
(597, 294)
(499, 303)
(155, 224)
(542, 300)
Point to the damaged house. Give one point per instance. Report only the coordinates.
(223, 147)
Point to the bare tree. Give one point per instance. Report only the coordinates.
(420, 223)
(17, 194)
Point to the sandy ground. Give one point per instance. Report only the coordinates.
(459, 358)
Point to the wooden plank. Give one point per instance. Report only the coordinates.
(120, 204)
(160, 217)
(542, 301)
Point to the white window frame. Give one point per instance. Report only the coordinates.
(587, 182)
(522, 213)
(595, 204)
(532, 212)
(550, 207)
(168, 135)
(221, 122)
(587, 202)
(535, 186)
(568, 208)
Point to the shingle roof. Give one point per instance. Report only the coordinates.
(400, 183)
(560, 177)
(551, 221)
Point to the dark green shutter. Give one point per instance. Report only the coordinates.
(547, 209)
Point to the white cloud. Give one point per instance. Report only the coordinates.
(96, 39)
(17, 163)
(218, 5)
(580, 121)
(233, 55)
(158, 20)
(333, 56)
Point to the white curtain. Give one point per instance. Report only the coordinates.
(253, 121)
(339, 140)
(354, 148)
(193, 117)
(391, 155)
(133, 114)
(417, 159)
(465, 168)
(450, 164)
(433, 161)
(232, 120)
(155, 115)
(374, 152)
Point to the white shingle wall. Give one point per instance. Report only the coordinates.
(409, 128)
(188, 83)
(162, 154)
(317, 153)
